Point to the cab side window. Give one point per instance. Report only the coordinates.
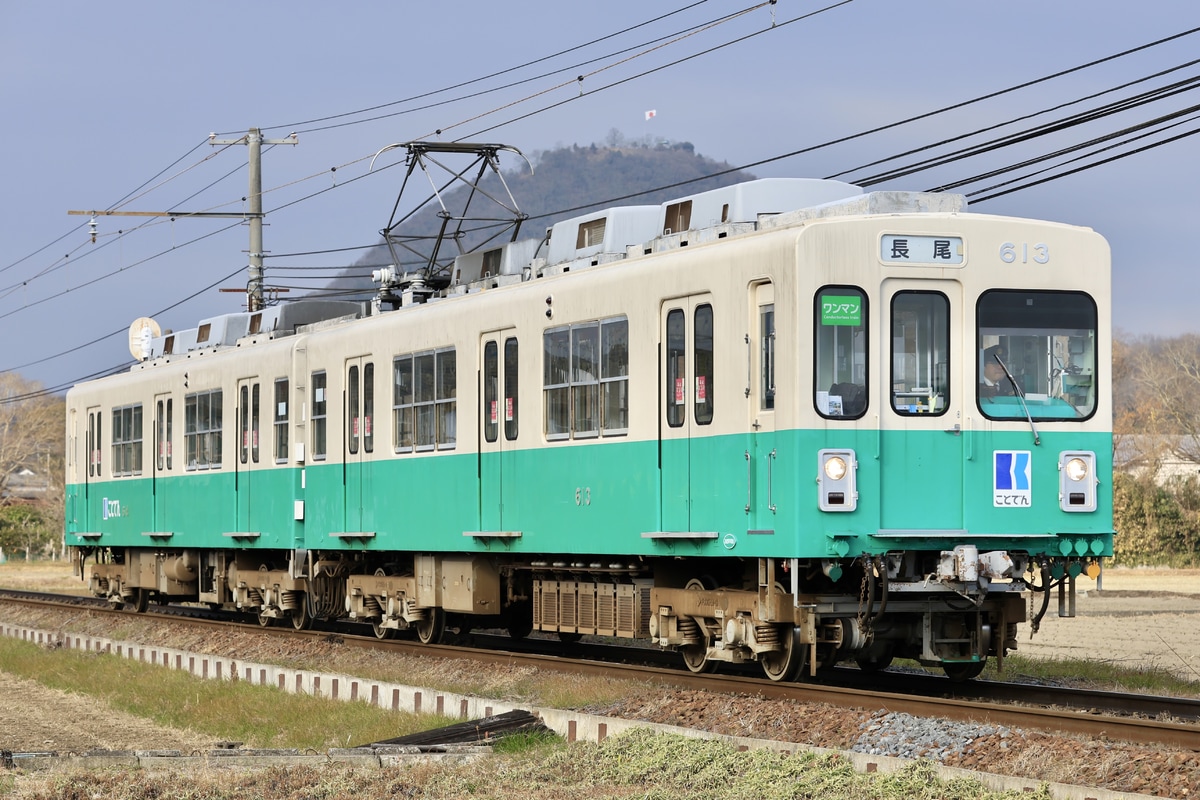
(840, 382)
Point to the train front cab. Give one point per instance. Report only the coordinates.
(974, 489)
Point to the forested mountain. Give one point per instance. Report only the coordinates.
(565, 182)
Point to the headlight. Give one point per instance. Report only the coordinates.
(835, 468)
(1077, 469)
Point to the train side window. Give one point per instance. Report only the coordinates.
(281, 420)
(447, 398)
(510, 389)
(424, 397)
(320, 413)
(353, 420)
(556, 377)
(703, 360)
(127, 440)
(676, 388)
(920, 353)
(491, 378)
(368, 409)
(585, 380)
(840, 358)
(403, 414)
(202, 428)
(614, 376)
(93, 444)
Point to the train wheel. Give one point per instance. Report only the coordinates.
(141, 600)
(264, 620)
(116, 603)
(695, 656)
(300, 617)
(959, 671)
(382, 633)
(431, 628)
(785, 664)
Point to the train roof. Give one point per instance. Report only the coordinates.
(588, 240)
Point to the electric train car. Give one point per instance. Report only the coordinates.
(785, 421)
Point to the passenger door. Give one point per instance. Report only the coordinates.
(163, 462)
(690, 501)
(249, 405)
(925, 397)
(761, 454)
(498, 423)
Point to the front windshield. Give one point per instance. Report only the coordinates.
(1036, 355)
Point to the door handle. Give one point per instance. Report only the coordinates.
(770, 463)
(956, 430)
(749, 483)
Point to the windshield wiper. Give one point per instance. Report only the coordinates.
(1020, 396)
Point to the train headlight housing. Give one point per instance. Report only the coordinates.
(1077, 481)
(836, 486)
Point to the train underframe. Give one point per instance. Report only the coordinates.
(950, 609)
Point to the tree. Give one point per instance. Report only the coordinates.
(32, 435)
(1166, 378)
(25, 527)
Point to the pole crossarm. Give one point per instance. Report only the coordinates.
(171, 214)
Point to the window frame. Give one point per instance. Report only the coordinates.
(280, 424)
(320, 415)
(927, 405)
(863, 328)
(127, 440)
(425, 401)
(576, 389)
(202, 430)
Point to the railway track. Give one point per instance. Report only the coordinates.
(1138, 718)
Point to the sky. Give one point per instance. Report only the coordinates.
(111, 106)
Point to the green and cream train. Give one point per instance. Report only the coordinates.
(785, 421)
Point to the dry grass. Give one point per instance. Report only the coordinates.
(41, 576)
(259, 716)
(637, 765)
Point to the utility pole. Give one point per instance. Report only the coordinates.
(254, 140)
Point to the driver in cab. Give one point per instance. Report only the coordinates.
(995, 382)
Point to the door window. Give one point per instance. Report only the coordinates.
(920, 353)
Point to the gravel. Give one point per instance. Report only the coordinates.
(888, 733)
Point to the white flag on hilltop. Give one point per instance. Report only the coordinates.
(651, 114)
